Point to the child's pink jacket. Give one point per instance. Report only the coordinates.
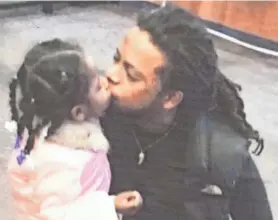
(64, 183)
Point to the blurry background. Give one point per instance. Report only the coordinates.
(99, 27)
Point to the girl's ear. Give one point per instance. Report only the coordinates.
(79, 113)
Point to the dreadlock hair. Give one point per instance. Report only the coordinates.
(52, 79)
(191, 67)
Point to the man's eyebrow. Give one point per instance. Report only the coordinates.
(118, 52)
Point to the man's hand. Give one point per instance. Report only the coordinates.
(128, 203)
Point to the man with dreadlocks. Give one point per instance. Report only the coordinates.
(177, 125)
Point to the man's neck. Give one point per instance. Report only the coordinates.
(158, 122)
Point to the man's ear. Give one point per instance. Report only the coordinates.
(79, 113)
(173, 99)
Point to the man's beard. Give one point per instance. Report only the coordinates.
(132, 113)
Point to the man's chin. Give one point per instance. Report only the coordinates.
(115, 106)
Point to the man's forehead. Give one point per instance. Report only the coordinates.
(135, 34)
(140, 42)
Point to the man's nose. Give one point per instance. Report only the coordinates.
(104, 82)
(113, 76)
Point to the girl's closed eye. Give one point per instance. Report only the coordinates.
(98, 84)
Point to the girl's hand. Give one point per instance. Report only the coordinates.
(128, 203)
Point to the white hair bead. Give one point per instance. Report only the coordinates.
(11, 126)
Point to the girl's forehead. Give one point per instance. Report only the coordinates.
(90, 62)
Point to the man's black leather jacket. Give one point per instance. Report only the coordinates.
(221, 183)
(234, 187)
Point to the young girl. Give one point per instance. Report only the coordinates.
(59, 168)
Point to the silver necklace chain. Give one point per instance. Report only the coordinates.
(142, 153)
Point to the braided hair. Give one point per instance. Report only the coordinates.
(52, 79)
(191, 67)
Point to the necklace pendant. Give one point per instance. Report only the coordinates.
(141, 158)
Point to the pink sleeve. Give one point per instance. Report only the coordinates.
(68, 194)
(96, 174)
